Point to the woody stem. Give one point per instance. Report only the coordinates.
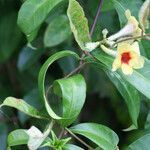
(132, 38)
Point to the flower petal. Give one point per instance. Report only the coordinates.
(136, 48)
(131, 19)
(116, 63)
(137, 63)
(126, 69)
(123, 47)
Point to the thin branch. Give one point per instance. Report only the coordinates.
(133, 38)
(80, 140)
(75, 70)
(96, 17)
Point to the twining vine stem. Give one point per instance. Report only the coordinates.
(96, 17)
(76, 70)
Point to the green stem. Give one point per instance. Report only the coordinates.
(80, 140)
(50, 126)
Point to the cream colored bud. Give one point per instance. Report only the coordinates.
(91, 46)
(109, 51)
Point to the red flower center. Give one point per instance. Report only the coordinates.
(125, 57)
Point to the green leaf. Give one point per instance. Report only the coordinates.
(22, 106)
(146, 47)
(101, 135)
(141, 79)
(32, 14)
(17, 137)
(57, 31)
(132, 99)
(140, 144)
(71, 147)
(72, 91)
(78, 23)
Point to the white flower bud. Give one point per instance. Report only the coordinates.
(127, 30)
(35, 138)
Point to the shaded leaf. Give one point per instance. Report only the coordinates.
(26, 55)
(57, 31)
(140, 144)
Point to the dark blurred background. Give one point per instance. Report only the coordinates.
(20, 64)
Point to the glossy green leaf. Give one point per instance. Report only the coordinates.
(57, 31)
(141, 144)
(132, 99)
(72, 91)
(32, 14)
(101, 135)
(22, 106)
(141, 79)
(17, 137)
(71, 147)
(78, 23)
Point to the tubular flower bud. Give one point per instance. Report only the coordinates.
(144, 14)
(130, 29)
(109, 51)
(91, 46)
(128, 58)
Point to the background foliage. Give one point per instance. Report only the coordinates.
(20, 64)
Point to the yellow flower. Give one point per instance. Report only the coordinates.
(128, 58)
(132, 21)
